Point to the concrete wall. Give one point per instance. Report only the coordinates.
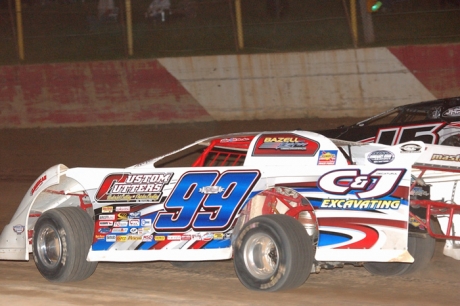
(338, 83)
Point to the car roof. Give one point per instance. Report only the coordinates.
(424, 106)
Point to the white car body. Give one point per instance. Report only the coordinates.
(353, 199)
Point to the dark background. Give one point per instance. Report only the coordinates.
(65, 30)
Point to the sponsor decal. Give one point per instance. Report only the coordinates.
(360, 204)
(134, 237)
(110, 238)
(122, 238)
(452, 112)
(218, 236)
(146, 222)
(327, 157)
(207, 237)
(107, 209)
(285, 144)
(134, 215)
(134, 222)
(18, 229)
(234, 139)
(127, 187)
(446, 157)
(122, 216)
(37, 184)
(196, 236)
(104, 230)
(186, 237)
(99, 237)
(147, 238)
(106, 217)
(160, 238)
(173, 237)
(377, 184)
(411, 148)
(211, 190)
(123, 208)
(119, 230)
(105, 223)
(203, 237)
(122, 223)
(381, 157)
(133, 230)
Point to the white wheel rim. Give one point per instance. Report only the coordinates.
(49, 246)
(261, 256)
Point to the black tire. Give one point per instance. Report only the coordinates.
(421, 248)
(273, 252)
(62, 238)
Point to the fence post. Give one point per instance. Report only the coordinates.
(239, 24)
(354, 22)
(368, 25)
(20, 33)
(129, 27)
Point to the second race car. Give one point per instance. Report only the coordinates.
(434, 122)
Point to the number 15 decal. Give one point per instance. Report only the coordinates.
(205, 200)
(428, 133)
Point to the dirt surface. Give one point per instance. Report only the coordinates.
(25, 154)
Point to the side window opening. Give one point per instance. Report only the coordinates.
(387, 118)
(220, 157)
(412, 116)
(204, 156)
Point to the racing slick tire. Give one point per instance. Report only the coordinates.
(421, 248)
(273, 252)
(62, 239)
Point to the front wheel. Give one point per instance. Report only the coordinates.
(62, 239)
(273, 252)
(421, 248)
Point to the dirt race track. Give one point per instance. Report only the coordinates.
(26, 153)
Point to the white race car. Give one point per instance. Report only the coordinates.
(281, 204)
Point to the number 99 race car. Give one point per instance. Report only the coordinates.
(281, 204)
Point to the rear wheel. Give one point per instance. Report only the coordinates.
(273, 252)
(62, 239)
(421, 248)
